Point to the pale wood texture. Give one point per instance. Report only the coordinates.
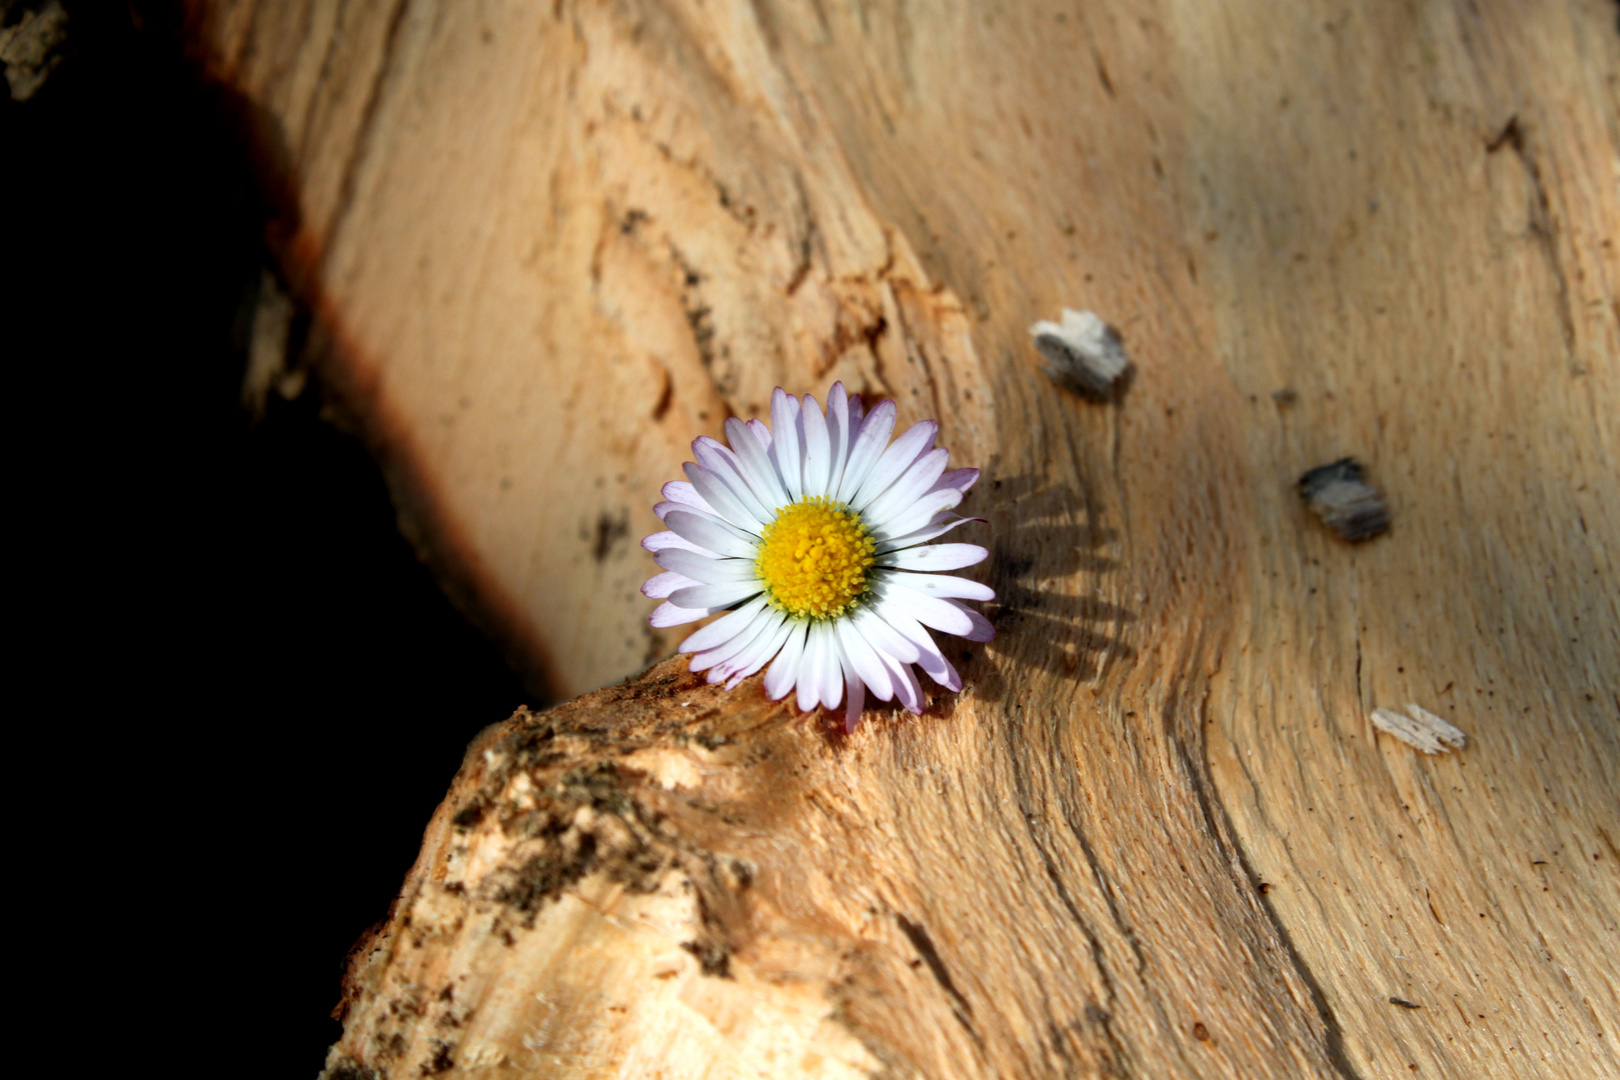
(1157, 834)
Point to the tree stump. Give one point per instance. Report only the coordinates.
(1157, 833)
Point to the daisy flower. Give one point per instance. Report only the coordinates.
(813, 534)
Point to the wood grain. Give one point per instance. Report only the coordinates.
(1157, 834)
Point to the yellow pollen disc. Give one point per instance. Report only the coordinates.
(814, 558)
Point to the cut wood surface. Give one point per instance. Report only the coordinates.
(1157, 834)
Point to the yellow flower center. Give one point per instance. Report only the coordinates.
(814, 558)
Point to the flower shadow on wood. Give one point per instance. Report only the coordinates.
(1047, 547)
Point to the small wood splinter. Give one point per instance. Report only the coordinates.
(1084, 354)
(1348, 504)
(1420, 729)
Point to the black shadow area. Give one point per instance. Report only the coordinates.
(246, 694)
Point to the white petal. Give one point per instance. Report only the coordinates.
(918, 478)
(761, 431)
(757, 467)
(720, 497)
(873, 436)
(943, 524)
(903, 623)
(817, 452)
(725, 467)
(784, 673)
(718, 537)
(810, 669)
(935, 557)
(941, 585)
(668, 614)
(860, 654)
(930, 658)
(832, 668)
(707, 570)
(722, 630)
(661, 585)
(658, 541)
(838, 435)
(928, 610)
(716, 597)
(982, 629)
(785, 442)
(885, 637)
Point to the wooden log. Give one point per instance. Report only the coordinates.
(1158, 833)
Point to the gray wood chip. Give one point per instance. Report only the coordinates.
(1348, 504)
(1083, 353)
(1420, 728)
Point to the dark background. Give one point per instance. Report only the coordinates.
(221, 613)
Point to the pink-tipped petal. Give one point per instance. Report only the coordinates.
(958, 479)
(757, 624)
(913, 483)
(785, 442)
(817, 451)
(906, 687)
(679, 491)
(895, 461)
(660, 586)
(872, 437)
(854, 701)
(922, 512)
(728, 469)
(668, 614)
(756, 655)
(784, 672)
(722, 630)
(838, 435)
(942, 524)
(719, 495)
(982, 628)
(658, 541)
(940, 670)
(717, 596)
(711, 535)
(757, 467)
(707, 570)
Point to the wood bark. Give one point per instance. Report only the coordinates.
(1157, 833)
